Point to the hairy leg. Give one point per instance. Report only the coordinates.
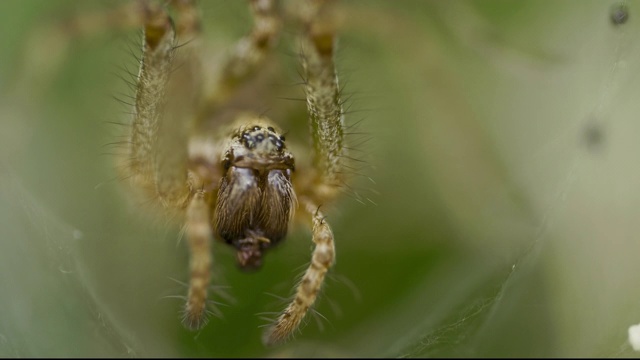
(199, 234)
(168, 87)
(167, 100)
(166, 105)
(326, 116)
(249, 52)
(307, 290)
(327, 130)
(181, 105)
(153, 76)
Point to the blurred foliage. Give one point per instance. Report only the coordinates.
(503, 147)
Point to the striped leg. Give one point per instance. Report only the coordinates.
(167, 100)
(199, 235)
(327, 130)
(250, 52)
(307, 291)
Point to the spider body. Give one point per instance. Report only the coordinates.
(255, 199)
(235, 181)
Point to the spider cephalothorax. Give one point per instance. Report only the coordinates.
(256, 199)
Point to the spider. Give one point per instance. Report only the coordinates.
(236, 181)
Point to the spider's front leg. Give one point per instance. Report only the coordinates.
(326, 119)
(167, 99)
(311, 283)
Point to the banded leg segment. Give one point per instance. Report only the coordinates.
(326, 117)
(167, 101)
(199, 234)
(249, 53)
(307, 291)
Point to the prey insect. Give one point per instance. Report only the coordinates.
(236, 181)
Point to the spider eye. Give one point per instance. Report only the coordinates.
(256, 128)
(259, 137)
(271, 129)
(282, 137)
(278, 143)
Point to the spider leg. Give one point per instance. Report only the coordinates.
(199, 236)
(326, 117)
(249, 52)
(307, 290)
(168, 87)
(153, 76)
(326, 120)
(180, 106)
(167, 100)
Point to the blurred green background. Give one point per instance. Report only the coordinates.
(502, 221)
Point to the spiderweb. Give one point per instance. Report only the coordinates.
(557, 107)
(506, 224)
(46, 296)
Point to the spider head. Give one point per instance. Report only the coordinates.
(260, 146)
(255, 200)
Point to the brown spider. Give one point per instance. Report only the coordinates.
(239, 183)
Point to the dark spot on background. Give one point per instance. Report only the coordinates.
(619, 14)
(594, 136)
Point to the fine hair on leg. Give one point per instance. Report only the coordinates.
(322, 259)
